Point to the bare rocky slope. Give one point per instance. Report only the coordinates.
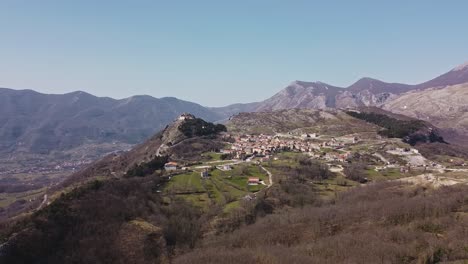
(364, 92)
(441, 101)
(445, 107)
(336, 122)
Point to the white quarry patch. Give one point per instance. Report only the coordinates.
(434, 180)
(413, 156)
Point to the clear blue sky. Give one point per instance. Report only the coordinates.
(221, 52)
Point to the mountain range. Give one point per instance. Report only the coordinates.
(30, 121)
(364, 92)
(41, 123)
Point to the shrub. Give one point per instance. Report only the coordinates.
(147, 168)
(356, 172)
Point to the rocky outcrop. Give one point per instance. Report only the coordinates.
(168, 142)
(445, 107)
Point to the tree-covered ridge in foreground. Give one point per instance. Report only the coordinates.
(127, 221)
(381, 223)
(113, 221)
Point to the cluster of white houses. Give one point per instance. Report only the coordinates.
(246, 145)
(265, 145)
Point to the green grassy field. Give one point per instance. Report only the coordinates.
(189, 182)
(284, 158)
(231, 206)
(9, 198)
(212, 155)
(387, 174)
(328, 188)
(224, 188)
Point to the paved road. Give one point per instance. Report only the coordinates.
(270, 176)
(44, 202)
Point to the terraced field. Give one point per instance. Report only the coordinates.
(221, 188)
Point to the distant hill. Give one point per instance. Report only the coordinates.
(441, 101)
(410, 130)
(364, 92)
(182, 140)
(230, 110)
(40, 123)
(334, 122)
(445, 107)
(455, 76)
(331, 122)
(299, 94)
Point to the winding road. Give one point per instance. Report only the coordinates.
(270, 176)
(44, 202)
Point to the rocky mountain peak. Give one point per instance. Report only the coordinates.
(457, 75)
(188, 126)
(186, 116)
(461, 67)
(363, 83)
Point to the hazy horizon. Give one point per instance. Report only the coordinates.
(216, 54)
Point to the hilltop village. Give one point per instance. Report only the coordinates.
(386, 153)
(311, 144)
(381, 156)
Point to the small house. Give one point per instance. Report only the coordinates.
(205, 173)
(170, 166)
(253, 181)
(226, 151)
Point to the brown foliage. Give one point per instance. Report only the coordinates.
(116, 221)
(380, 223)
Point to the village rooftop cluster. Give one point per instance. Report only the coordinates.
(262, 145)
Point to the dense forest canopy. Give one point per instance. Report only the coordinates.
(198, 127)
(393, 127)
(147, 168)
(396, 128)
